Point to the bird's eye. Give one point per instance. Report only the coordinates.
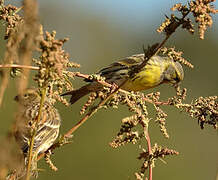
(25, 95)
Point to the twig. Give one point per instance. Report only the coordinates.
(148, 140)
(30, 154)
(18, 66)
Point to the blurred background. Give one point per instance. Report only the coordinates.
(101, 32)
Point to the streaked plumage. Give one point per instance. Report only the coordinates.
(48, 127)
(158, 70)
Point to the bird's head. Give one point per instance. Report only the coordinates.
(28, 96)
(174, 73)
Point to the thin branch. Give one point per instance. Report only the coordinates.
(18, 66)
(148, 140)
(30, 154)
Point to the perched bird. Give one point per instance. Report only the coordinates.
(158, 70)
(47, 129)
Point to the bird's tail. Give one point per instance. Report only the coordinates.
(79, 93)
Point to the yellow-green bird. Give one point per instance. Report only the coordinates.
(158, 70)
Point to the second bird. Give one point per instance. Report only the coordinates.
(46, 130)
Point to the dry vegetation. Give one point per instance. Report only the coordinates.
(54, 74)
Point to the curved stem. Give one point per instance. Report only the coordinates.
(148, 140)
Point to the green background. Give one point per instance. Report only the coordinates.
(101, 32)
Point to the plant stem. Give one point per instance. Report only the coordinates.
(148, 140)
(31, 154)
(18, 66)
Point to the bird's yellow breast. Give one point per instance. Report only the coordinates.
(147, 78)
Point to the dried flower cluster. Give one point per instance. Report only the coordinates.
(135, 104)
(161, 119)
(9, 15)
(204, 109)
(158, 152)
(175, 55)
(186, 23)
(201, 10)
(52, 63)
(90, 101)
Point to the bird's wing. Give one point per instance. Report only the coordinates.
(44, 138)
(120, 69)
(48, 129)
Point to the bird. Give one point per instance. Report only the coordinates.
(47, 129)
(158, 70)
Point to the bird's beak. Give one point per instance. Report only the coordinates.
(16, 98)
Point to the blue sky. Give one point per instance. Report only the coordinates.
(123, 11)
